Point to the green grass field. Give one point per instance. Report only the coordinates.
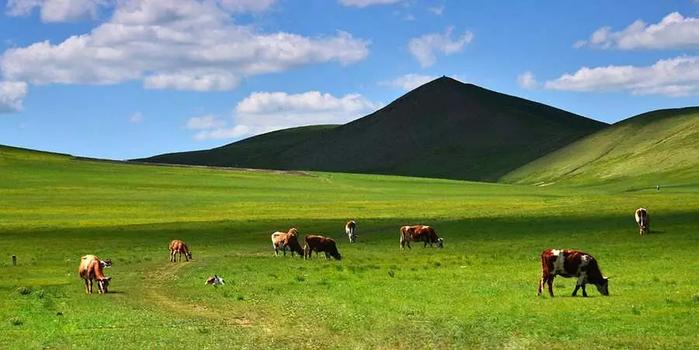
(477, 292)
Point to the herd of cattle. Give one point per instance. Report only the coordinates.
(554, 262)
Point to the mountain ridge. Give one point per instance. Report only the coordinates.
(444, 128)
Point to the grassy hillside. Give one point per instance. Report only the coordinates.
(254, 152)
(655, 148)
(477, 292)
(443, 129)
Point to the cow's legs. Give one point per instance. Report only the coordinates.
(544, 279)
(88, 284)
(87, 290)
(580, 283)
(549, 281)
(186, 258)
(284, 249)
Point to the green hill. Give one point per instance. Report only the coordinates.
(443, 129)
(654, 148)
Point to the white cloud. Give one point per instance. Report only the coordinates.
(262, 112)
(203, 122)
(136, 118)
(527, 80)
(185, 45)
(11, 95)
(674, 31)
(57, 10)
(677, 76)
(246, 5)
(437, 10)
(72, 10)
(365, 3)
(409, 81)
(424, 47)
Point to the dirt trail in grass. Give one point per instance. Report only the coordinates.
(157, 293)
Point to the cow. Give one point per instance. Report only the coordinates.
(351, 231)
(282, 240)
(179, 247)
(320, 244)
(90, 269)
(643, 220)
(419, 233)
(571, 263)
(215, 281)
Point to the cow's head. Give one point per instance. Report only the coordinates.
(189, 254)
(603, 287)
(440, 242)
(103, 284)
(293, 231)
(106, 263)
(336, 255)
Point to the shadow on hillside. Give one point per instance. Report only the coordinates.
(370, 230)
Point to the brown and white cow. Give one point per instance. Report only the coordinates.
(571, 263)
(320, 244)
(179, 247)
(282, 240)
(643, 220)
(419, 233)
(90, 269)
(351, 231)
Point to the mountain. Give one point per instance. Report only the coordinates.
(443, 129)
(654, 148)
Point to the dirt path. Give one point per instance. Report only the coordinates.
(156, 293)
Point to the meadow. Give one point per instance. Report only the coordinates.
(477, 292)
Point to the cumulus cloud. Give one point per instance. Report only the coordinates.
(57, 10)
(262, 112)
(408, 82)
(72, 10)
(365, 3)
(11, 95)
(677, 76)
(184, 45)
(674, 31)
(424, 47)
(527, 80)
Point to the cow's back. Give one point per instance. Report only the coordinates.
(88, 265)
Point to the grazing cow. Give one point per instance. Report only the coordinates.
(320, 244)
(282, 240)
(215, 281)
(419, 233)
(351, 231)
(571, 263)
(91, 270)
(643, 220)
(177, 246)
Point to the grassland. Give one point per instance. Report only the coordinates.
(477, 292)
(655, 148)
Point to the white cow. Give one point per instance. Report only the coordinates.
(351, 231)
(643, 220)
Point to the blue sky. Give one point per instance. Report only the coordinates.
(132, 78)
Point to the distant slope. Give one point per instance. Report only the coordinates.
(254, 152)
(659, 147)
(444, 129)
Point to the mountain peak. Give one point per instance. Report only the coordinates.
(444, 128)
